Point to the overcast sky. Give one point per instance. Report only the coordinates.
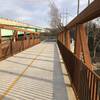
(36, 12)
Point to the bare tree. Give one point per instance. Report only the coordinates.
(95, 30)
(55, 16)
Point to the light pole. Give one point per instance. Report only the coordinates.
(78, 7)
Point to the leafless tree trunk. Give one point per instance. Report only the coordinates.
(55, 16)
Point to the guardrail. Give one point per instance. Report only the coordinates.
(14, 45)
(85, 82)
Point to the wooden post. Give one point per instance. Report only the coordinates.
(57, 37)
(77, 49)
(0, 44)
(13, 39)
(16, 42)
(16, 36)
(84, 44)
(39, 38)
(24, 36)
(0, 37)
(67, 40)
(31, 35)
(61, 37)
(24, 42)
(34, 39)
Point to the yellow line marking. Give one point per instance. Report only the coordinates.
(15, 81)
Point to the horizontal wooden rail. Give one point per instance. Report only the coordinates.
(91, 12)
(20, 26)
(8, 27)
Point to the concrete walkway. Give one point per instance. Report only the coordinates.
(37, 73)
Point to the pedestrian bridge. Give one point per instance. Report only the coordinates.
(44, 70)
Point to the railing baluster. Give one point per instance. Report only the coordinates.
(0, 44)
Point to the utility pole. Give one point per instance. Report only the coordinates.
(89, 23)
(78, 7)
(66, 16)
(88, 2)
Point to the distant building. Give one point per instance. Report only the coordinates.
(5, 32)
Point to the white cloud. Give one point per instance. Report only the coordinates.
(25, 10)
(36, 12)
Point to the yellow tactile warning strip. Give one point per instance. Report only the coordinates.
(10, 87)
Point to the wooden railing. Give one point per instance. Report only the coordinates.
(14, 45)
(85, 82)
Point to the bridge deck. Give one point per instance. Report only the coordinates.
(37, 73)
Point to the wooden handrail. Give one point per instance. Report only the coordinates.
(91, 12)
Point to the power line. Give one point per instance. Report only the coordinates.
(64, 17)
